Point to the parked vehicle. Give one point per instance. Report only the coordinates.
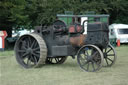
(119, 32)
(17, 33)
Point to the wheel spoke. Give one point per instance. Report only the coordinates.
(85, 63)
(110, 54)
(24, 55)
(24, 44)
(38, 52)
(83, 57)
(87, 53)
(94, 54)
(35, 49)
(83, 53)
(93, 66)
(95, 63)
(109, 50)
(110, 59)
(105, 50)
(106, 61)
(36, 44)
(24, 47)
(56, 60)
(29, 41)
(33, 43)
(20, 51)
(35, 59)
(98, 57)
(35, 54)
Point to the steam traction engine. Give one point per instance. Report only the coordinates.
(52, 45)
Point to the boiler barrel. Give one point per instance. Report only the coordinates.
(78, 40)
(75, 41)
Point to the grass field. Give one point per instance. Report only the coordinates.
(68, 73)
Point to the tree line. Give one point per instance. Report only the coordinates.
(28, 13)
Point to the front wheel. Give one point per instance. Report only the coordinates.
(90, 58)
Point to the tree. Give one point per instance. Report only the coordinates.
(43, 12)
(12, 14)
(118, 11)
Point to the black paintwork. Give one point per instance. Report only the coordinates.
(98, 34)
(57, 38)
(57, 42)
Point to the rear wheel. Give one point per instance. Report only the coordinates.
(90, 58)
(109, 56)
(30, 50)
(56, 60)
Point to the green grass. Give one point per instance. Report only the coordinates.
(68, 73)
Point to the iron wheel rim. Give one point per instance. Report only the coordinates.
(88, 60)
(109, 56)
(28, 51)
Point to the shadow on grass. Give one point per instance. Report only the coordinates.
(64, 65)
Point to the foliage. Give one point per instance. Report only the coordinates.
(12, 12)
(116, 8)
(43, 12)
